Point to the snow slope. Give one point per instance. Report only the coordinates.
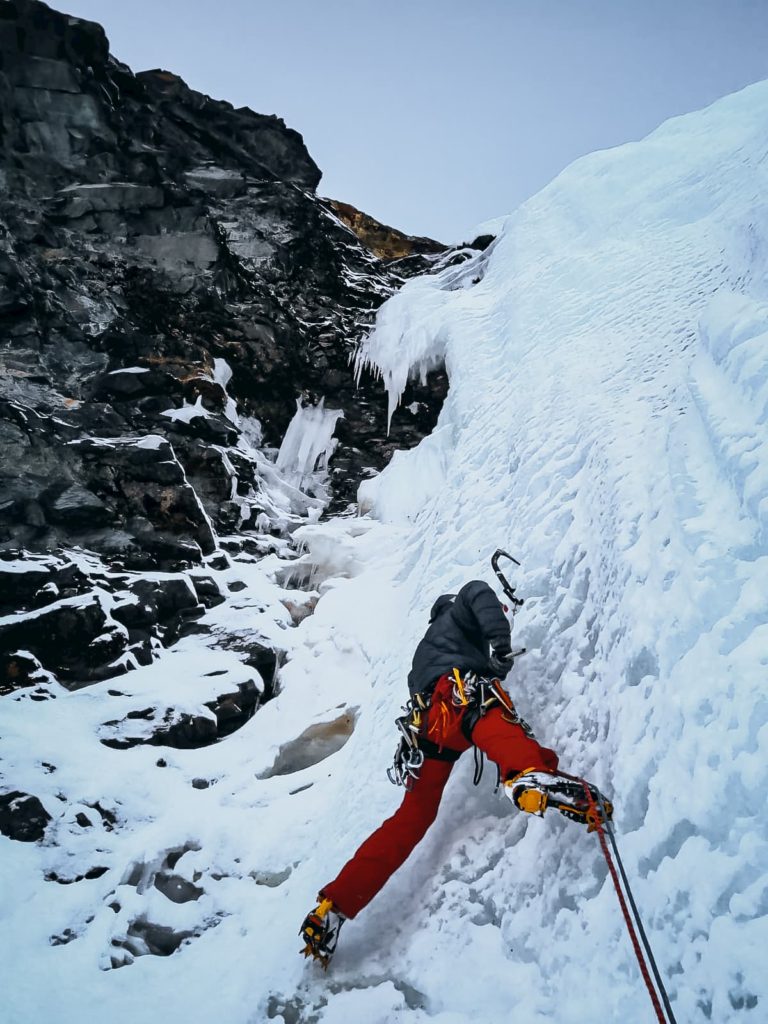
(607, 423)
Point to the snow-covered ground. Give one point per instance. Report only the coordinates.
(607, 423)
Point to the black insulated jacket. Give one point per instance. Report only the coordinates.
(463, 629)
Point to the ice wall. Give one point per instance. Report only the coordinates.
(607, 421)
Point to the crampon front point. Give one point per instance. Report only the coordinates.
(320, 932)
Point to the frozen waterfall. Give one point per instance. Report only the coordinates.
(308, 442)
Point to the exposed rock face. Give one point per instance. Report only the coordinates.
(169, 728)
(76, 627)
(22, 817)
(75, 636)
(166, 269)
(385, 242)
(170, 285)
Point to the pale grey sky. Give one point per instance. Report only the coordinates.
(433, 115)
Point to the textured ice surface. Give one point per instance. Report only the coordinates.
(606, 423)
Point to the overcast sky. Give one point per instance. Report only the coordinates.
(433, 115)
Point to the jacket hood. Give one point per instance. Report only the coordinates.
(440, 605)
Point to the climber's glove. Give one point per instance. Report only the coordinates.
(500, 664)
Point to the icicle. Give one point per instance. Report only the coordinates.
(408, 339)
(308, 442)
(222, 374)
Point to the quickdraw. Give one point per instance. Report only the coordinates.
(483, 693)
(408, 757)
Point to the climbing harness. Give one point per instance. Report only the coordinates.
(476, 695)
(632, 918)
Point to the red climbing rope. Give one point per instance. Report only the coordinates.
(598, 820)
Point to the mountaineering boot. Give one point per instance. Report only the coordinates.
(534, 790)
(320, 931)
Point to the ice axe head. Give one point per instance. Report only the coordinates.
(509, 590)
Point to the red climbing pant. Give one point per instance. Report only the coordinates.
(495, 734)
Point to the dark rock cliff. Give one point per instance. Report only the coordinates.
(147, 231)
(170, 286)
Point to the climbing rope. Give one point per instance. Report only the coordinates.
(598, 820)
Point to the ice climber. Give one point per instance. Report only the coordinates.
(457, 702)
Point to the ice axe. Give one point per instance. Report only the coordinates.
(508, 589)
